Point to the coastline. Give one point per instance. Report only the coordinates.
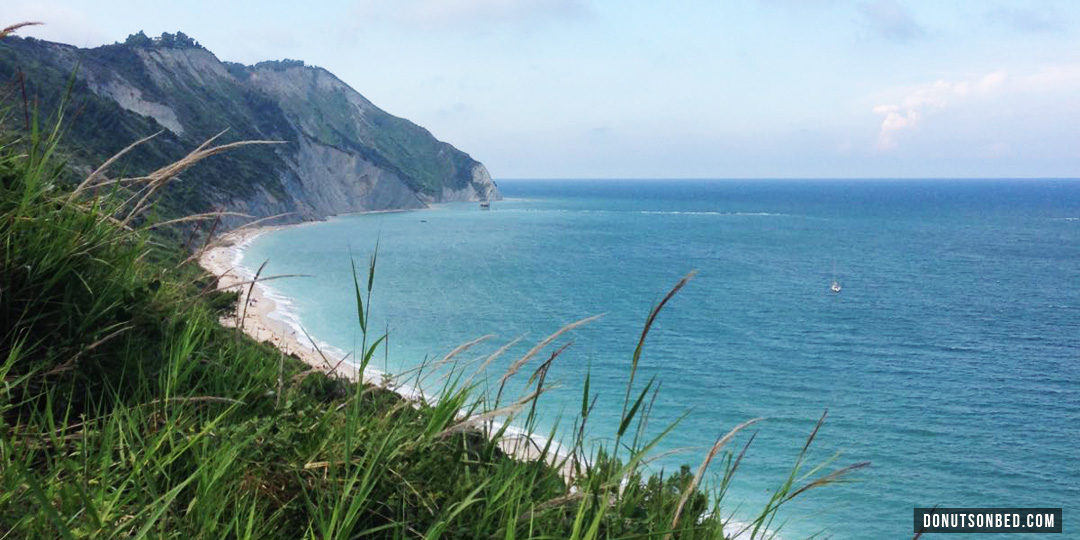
(222, 260)
(264, 322)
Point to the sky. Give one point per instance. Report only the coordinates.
(677, 89)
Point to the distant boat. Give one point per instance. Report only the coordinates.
(485, 205)
(835, 287)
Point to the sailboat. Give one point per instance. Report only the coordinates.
(835, 287)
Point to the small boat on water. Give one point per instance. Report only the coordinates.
(485, 205)
(835, 287)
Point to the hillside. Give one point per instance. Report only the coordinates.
(341, 153)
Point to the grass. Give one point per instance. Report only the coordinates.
(126, 410)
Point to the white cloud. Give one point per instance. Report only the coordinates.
(907, 113)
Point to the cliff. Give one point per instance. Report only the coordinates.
(341, 152)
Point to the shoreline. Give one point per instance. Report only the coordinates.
(265, 319)
(222, 260)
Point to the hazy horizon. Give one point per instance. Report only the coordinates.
(767, 89)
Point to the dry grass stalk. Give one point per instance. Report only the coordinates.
(516, 366)
(247, 298)
(326, 361)
(830, 478)
(159, 178)
(491, 358)
(260, 280)
(211, 139)
(262, 220)
(197, 217)
(667, 453)
(507, 411)
(70, 364)
(334, 368)
(89, 182)
(541, 372)
(652, 319)
(206, 243)
(460, 349)
(11, 29)
(692, 488)
(303, 375)
(212, 243)
(194, 399)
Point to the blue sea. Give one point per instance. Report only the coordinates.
(950, 360)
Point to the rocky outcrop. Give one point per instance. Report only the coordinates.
(341, 153)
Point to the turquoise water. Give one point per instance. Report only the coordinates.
(951, 359)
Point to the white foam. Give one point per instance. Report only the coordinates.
(743, 530)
